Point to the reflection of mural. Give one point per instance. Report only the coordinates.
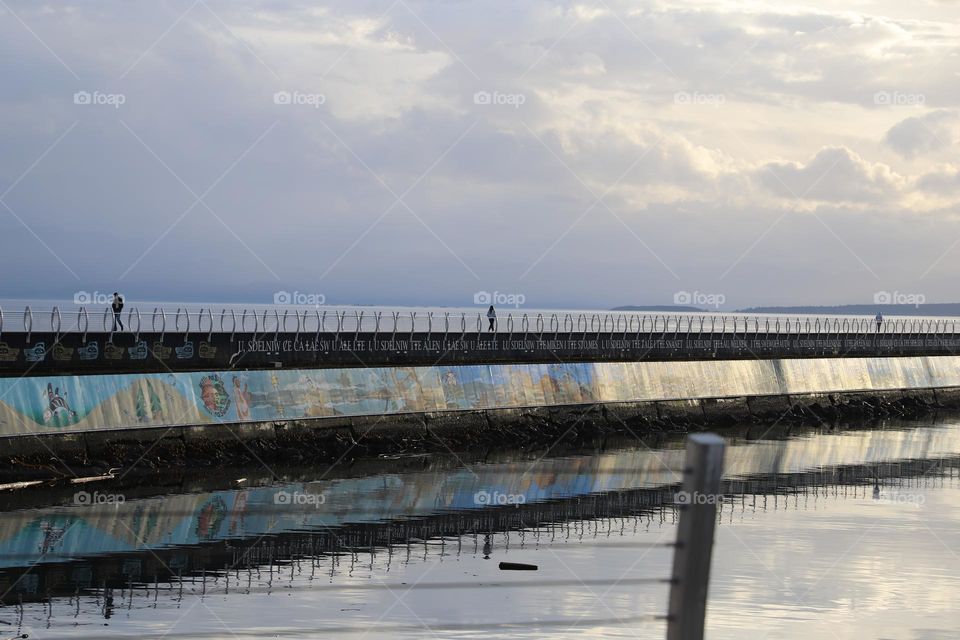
(210, 517)
(38, 404)
(51, 533)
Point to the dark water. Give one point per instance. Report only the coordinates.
(849, 534)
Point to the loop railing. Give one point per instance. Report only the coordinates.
(65, 319)
(55, 321)
(130, 317)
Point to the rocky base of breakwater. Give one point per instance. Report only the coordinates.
(329, 440)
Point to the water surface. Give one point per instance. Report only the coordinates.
(847, 534)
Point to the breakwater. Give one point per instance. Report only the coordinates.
(58, 404)
(68, 424)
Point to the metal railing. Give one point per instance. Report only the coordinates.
(333, 320)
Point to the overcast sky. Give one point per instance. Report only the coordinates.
(582, 154)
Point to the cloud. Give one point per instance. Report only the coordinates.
(835, 175)
(779, 106)
(920, 135)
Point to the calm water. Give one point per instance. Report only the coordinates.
(810, 544)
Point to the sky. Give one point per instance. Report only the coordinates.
(569, 154)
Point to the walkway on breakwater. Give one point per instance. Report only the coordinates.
(265, 319)
(81, 339)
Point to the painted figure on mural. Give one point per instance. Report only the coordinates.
(452, 391)
(242, 399)
(57, 406)
(277, 404)
(214, 395)
(408, 387)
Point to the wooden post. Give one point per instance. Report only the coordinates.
(698, 515)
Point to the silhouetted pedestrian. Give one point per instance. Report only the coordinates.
(879, 320)
(117, 309)
(492, 317)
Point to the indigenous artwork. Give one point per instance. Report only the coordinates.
(45, 404)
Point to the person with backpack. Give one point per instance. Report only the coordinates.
(117, 309)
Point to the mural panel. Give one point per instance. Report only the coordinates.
(80, 403)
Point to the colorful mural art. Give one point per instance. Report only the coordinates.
(46, 404)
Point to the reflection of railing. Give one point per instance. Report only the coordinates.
(327, 320)
(127, 571)
(346, 555)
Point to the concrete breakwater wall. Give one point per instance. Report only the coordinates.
(71, 403)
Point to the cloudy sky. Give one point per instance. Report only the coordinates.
(413, 152)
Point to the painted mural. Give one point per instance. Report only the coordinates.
(92, 402)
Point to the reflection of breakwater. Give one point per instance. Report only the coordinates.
(51, 534)
(324, 550)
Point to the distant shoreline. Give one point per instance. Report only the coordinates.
(951, 309)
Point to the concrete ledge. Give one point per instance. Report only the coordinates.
(948, 397)
(766, 407)
(683, 409)
(46, 447)
(725, 410)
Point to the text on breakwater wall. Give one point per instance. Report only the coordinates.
(405, 345)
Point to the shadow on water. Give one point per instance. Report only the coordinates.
(106, 548)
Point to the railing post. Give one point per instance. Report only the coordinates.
(698, 516)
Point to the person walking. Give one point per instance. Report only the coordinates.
(492, 317)
(117, 308)
(879, 320)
